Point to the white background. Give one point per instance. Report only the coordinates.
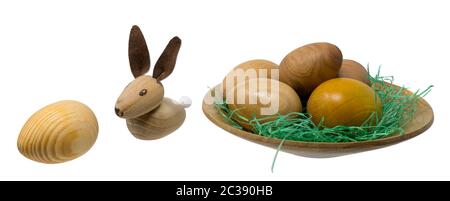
(56, 50)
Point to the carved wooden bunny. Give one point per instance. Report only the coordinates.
(149, 114)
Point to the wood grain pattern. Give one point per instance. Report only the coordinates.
(257, 65)
(149, 115)
(354, 70)
(132, 103)
(58, 132)
(279, 98)
(423, 119)
(307, 67)
(343, 101)
(160, 122)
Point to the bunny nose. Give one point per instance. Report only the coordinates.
(118, 112)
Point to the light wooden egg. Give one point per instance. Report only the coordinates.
(58, 132)
(307, 67)
(354, 70)
(343, 101)
(262, 69)
(270, 97)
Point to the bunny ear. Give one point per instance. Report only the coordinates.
(138, 52)
(166, 62)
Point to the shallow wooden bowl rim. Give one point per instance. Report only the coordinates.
(422, 120)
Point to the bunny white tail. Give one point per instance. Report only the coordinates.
(185, 101)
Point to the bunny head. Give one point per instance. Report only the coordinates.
(145, 93)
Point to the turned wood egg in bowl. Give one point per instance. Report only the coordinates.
(262, 98)
(308, 66)
(256, 68)
(343, 101)
(354, 70)
(59, 132)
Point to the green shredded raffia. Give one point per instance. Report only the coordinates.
(398, 110)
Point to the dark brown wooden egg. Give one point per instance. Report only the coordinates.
(307, 67)
(354, 70)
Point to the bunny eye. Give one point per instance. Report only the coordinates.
(143, 92)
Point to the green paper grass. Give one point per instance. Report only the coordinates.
(398, 110)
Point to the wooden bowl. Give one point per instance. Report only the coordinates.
(422, 120)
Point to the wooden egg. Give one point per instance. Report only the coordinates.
(354, 70)
(263, 98)
(58, 132)
(262, 69)
(307, 67)
(343, 101)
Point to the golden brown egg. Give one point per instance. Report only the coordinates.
(354, 70)
(257, 68)
(343, 101)
(307, 67)
(263, 98)
(58, 132)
